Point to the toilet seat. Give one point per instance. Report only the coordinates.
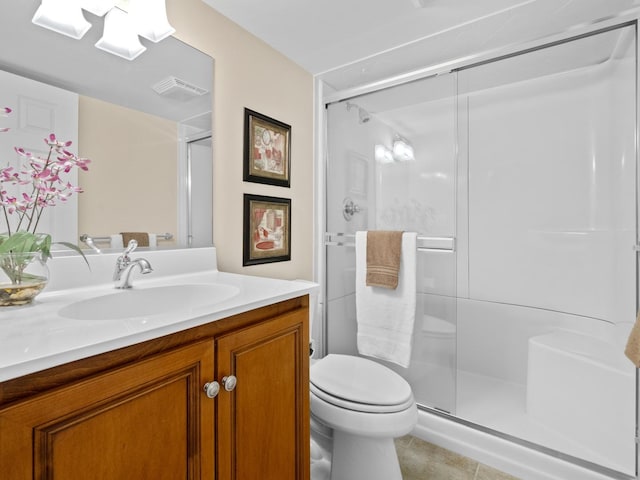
(358, 384)
(360, 407)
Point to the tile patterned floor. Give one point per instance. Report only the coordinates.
(420, 460)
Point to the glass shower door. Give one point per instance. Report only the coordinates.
(391, 165)
(547, 277)
(520, 177)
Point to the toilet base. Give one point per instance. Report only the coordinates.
(363, 458)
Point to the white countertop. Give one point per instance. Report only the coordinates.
(37, 337)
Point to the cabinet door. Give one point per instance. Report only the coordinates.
(150, 420)
(263, 424)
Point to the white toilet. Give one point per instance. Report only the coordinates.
(366, 405)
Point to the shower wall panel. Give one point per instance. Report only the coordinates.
(420, 195)
(546, 235)
(551, 192)
(350, 172)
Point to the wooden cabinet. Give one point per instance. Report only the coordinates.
(260, 434)
(147, 420)
(147, 416)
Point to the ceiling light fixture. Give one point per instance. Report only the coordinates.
(119, 36)
(97, 7)
(125, 21)
(151, 19)
(62, 16)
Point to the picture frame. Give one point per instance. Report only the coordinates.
(267, 150)
(266, 229)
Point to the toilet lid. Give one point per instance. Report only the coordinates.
(360, 381)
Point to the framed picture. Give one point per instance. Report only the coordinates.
(267, 230)
(267, 147)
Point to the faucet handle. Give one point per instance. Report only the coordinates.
(123, 260)
(133, 244)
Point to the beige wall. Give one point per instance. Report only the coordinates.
(131, 184)
(249, 73)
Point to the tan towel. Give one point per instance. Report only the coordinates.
(383, 258)
(141, 237)
(632, 351)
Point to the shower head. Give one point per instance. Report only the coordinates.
(363, 115)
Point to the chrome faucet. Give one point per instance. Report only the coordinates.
(124, 265)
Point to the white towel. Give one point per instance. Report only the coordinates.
(116, 240)
(386, 317)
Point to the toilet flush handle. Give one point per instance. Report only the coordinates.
(211, 389)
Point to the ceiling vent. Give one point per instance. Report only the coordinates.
(173, 87)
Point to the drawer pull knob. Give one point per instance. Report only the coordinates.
(211, 389)
(229, 382)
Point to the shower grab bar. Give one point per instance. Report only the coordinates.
(424, 243)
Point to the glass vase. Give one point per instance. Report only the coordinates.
(22, 277)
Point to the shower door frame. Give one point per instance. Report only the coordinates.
(320, 261)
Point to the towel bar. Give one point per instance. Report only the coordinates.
(84, 237)
(91, 240)
(424, 243)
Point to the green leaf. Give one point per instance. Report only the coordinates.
(21, 242)
(75, 248)
(25, 242)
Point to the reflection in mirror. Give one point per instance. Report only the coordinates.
(199, 195)
(145, 125)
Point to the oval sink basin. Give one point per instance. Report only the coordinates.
(146, 302)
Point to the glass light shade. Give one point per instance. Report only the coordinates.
(150, 17)
(402, 151)
(383, 154)
(62, 16)
(97, 7)
(119, 36)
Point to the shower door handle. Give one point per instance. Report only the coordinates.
(349, 208)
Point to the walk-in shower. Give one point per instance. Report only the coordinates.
(522, 187)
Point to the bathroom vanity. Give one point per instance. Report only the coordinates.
(139, 398)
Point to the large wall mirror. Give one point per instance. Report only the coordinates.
(145, 125)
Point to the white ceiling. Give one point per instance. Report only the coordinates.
(352, 42)
(345, 42)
